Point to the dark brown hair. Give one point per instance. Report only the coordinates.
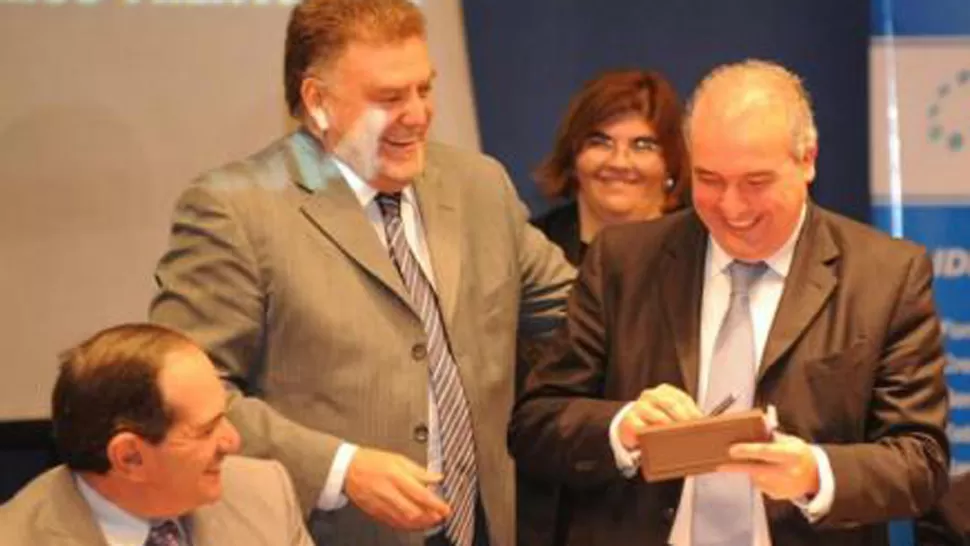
(602, 99)
(320, 30)
(109, 384)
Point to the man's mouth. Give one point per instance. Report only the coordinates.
(742, 225)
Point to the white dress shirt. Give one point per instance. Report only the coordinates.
(118, 526)
(332, 497)
(765, 295)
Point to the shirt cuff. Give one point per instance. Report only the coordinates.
(818, 507)
(627, 461)
(332, 497)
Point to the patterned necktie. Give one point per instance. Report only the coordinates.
(723, 502)
(454, 418)
(165, 533)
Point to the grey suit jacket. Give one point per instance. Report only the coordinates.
(274, 268)
(853, 363)
(258, 508)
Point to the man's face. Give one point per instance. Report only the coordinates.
(748, 187)
(378, 103)
(184, 469)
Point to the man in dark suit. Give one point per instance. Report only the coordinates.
(139, 419)
(366, 287)
(761, 297)
(948, 524)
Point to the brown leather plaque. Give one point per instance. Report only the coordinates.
(699, 446)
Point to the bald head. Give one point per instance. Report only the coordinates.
(756, 93)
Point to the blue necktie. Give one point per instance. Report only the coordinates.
(723, 502)
(457, 442)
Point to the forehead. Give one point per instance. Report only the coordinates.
(396, 63)
(190, 386)
(758, 132)
(627, 124)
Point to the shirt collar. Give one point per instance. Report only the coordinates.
(364, 192)
(118, 526)
(779, 262)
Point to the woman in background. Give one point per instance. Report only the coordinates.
(618, 156)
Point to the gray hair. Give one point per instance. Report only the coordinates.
(774, 84)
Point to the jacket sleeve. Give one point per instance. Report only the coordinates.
(210, 288)
(902, 468)
(559, 430)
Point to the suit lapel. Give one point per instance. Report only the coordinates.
(67, 514)
(810, 282)
(681, 288)
(333, 208)
(438, 202)
(205, 526)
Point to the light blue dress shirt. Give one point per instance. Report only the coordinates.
(119, 527)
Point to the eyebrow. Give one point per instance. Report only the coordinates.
(759, 174)
(703, 171)
(211, 423)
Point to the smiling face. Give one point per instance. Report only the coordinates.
(379, 108)
(749, 188)
(183, 471)
(620, 171)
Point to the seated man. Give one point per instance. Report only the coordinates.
(139, 419)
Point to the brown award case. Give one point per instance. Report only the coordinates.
(699, 446)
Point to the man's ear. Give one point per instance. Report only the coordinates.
(808, 163)
(313, 104)
(126, 453)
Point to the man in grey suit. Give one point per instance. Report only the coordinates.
(139, 418)
(367, 287)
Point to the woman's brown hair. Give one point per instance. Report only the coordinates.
(604, 98)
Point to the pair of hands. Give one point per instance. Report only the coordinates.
(394, 490)
(783, 469)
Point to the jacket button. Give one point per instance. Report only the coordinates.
(419, 351)
(421, 433)
(668, 515)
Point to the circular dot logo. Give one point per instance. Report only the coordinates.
(943, 128)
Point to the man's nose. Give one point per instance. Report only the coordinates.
(731, 202)
(416, 111)
(229, 440)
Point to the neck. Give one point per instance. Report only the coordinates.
(592, 221)
(127, 496)
(385, 185)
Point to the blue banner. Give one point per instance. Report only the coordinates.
(920, 164)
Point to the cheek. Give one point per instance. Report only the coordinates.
(586, 164)
(704, 198)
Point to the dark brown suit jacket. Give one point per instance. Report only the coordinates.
(853, 363)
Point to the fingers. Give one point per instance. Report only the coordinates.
(667, 404)
(414, 488)
(394, 490)
(658, 406)
(784, 469)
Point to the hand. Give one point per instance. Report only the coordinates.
(394, 490)
(784, 469)
(658, 406)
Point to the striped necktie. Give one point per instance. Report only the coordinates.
(165, 533)
(457, 442)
